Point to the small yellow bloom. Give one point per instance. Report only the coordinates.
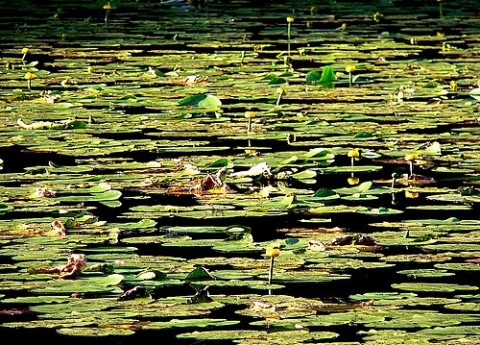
(453, 85)
(353, 181)
(411, 157)
(272, 252)
(107, 6)
(344, 27)
(29, 76)
(354, 153)
(411, 195)
(90, 69)
(281, 91)
(250, 114)
(65, 82)
(25, 50)
(290, 19)
(377, 16)
(350, 68)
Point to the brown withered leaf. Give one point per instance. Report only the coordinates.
(137, 291)
(15, 312)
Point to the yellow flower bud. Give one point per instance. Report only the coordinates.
(354, 153)
(281, 91)
(350, 68)
(411, 195)
(29, 76)
(250, 114)
(107, 6)
(290, 19)
(411, 156)
(272, 252)
(25, 50)
(453, 85)
(353, 181)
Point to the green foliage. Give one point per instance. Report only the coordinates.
(328, 77)
(313, 77)
(206, 101)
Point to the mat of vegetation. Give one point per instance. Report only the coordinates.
(281, 173)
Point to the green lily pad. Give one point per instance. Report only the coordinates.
(433, 287)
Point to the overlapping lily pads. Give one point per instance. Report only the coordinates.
(190, 170)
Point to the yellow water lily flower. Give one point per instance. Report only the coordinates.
(272, 252)
(29, 76)
(350, 68)
(353, 181)
(411, 156)
(354, 153)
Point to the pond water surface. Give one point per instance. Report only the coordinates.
(162, 154)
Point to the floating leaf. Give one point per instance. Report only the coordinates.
(206, 101)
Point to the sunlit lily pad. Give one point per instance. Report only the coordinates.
(433, 287)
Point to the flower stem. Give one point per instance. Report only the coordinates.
(288, 35)
(270, 272)
(279, 98)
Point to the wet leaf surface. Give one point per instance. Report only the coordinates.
(171, 144)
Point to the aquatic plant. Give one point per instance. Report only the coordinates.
(281, 91)
(249, 115)
(453, 86)
(353, 180)
(350, 69)
(107, 7)
(24, 52)
(394, 179)
(29, 76)
(327, 80)
(271, 253)
(165, 156)
(313, 77)
(354, 155)
(290, 20)
(410, 158)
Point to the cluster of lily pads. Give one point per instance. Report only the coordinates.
(300, 180)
